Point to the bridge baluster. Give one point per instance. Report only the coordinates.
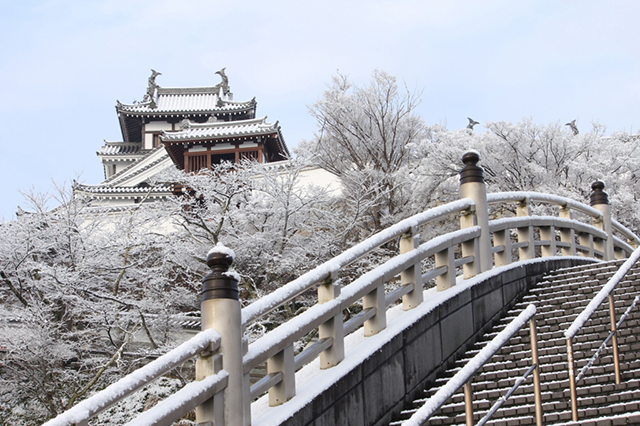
(502, 238)
(448, 279)
(567, 237)
(586, 240)
(548, 233)
(471, 247)
(334, 327)
(413, 274)
(282, 362)
(375, 300)
(526, 252)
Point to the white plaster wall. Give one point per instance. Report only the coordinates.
(320, 177)
(148, 141)
(156, 126)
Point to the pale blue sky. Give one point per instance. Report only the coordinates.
(65, 63)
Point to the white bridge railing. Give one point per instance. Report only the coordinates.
(476, 247)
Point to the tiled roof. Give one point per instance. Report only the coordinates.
(153, 159)
(179, 100)
(103, 189)
(219, 129)
(120, 148)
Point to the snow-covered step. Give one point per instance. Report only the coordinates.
(559, 299)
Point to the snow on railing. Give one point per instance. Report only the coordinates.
(183, 401)
(475, 248)
(324, 271)
(606, 292)
(574, 237)
(465, 374)
(367, 287)
(524, 233)
(621, 248)
(529, 197)
(84, 410)
(628, 234)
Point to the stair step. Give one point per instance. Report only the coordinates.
(559, 299)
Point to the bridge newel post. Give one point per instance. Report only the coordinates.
(472, 186)
(221, 310)
(600, 202)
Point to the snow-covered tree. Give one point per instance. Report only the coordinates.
(363, 136)
(525, 156)
(80, 291)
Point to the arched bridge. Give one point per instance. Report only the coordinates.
(365, 370)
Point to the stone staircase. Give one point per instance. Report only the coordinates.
(558, 299)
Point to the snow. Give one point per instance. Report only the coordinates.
(499, 197)
(602, 294)
(178, 400)
(304, 282)
(624, 230)
(232, 274)
(221, 248)
(311, 317)
(128, 384)
(311, 381)
(466, 372)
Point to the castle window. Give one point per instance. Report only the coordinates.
(219, 158)
(195, 163)
(250, 155)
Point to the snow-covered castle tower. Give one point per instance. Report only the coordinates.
(189, 128)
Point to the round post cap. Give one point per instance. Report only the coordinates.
(598, 196)
(471, 172)
(220, 283)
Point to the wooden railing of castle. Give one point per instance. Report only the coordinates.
(222, 393)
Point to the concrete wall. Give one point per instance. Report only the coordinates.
(376, 390)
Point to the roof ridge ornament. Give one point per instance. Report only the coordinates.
(224, 85)
(151, 89)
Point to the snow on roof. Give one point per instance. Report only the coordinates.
(192, 99)
(120, 148)
(99, 189)
(216, 129)
(157, 158)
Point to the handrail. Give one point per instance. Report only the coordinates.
(520, 196)
(84, 410)
(499, 403)
(463, 376)
(323, 271)
(371, 284)
(474, 248)
(611, 334)
(617, 242)
(625, 231)
(272, 343)
(183, 401)
(583, 317)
